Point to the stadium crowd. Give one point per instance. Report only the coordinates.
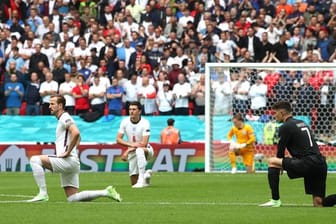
(103, 54)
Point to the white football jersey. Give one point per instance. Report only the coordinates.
(134, 131)
(63, 135)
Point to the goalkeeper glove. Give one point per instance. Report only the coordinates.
(243, 145)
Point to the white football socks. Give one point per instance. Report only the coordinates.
(141, 162)
(39, 174)
(87, 195)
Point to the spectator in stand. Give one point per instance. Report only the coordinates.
(4, 42)
(170, 135)
(114, 96)
(252, 44)
(37, 57)
(97, 96)
(135, 10)
(165, 100)
(240, 90)
(305, 96)
(282, 91)
(309, 41)
(11, 69)
(81, 95)
(198, 95)
(65, 90)
(326, 106)
(281, 49)
(223, 95)
(32, 95)
(19, 62)
(59, 71)
(48, 88)
(266, 47)
(86, 72)
(14, 91)
(146, 96)
(34, 20)
(173, 74)
(226, 46)
(82, 50)
(43, 28)
(131, 89)
(258, 94)
(181, 94)
(322, 45)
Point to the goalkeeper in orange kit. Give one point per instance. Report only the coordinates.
(244, 145)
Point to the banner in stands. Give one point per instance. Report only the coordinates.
(184, 157)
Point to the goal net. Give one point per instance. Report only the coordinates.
(250, 89)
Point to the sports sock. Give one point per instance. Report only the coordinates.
(87, 195)
(329, 201)
(273, 181)
(141, 162)
(232, 156)
(39, 174)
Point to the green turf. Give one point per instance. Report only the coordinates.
(172, 198)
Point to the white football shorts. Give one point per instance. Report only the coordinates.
(68, 168)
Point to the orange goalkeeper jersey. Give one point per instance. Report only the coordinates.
(244, 135)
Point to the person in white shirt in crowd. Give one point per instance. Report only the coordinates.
(181, 93)
(180, 56)
(225, 46)
(128, 26)
(131, 89)
(43, 28)
(165, 100)
(241, 88)
(48, 87)
(223, 95)
(69, 46)
(65, 90)
(49, 51)
(258, 96)
(97, 96)
(82, 50)
(96, 43)
(160, 80)
(103, 78)
(185, 18)
(26, 51)
(146, 96)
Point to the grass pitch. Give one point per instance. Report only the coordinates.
(172, 198)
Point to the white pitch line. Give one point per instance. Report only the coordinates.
(150, 203)
(166, 203)
(16, 195)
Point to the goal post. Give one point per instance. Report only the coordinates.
(310, 87)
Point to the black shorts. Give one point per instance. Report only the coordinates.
(312, 168)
